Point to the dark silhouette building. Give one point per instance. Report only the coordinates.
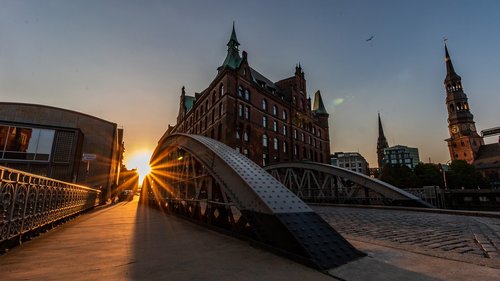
(267, 121)
(381, 144)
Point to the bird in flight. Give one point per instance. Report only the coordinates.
(369, 39)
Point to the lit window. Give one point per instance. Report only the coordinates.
(275, 126)
(264, 140)
(284, 130)
(284, 115)
(240, 110)
(285, 146)
(264, 104)
(276, 144)
(246, 135)
(247, 112)
(275, 110)
(247, 94)
(264, 121)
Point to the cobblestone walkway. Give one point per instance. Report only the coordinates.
(464, 238)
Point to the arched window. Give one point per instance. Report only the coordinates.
(285, 146)
(284, 130)
(466, 106)
(264, 104)
(247, 94)
(238, 134)
(221, 90)
(276, 144)
(264, 140)
(275, 110)
(275, 126)
(240, 91)
(220, 109)
(284, 115)
(264, 121)
(246, 135)
(213, 98)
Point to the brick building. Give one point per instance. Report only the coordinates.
(267, 121)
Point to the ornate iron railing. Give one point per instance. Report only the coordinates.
(29, 202)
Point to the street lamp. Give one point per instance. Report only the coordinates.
(444, 174)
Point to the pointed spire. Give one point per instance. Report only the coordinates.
(233, 41)
(381, 143)
(450, 70)
(233, 59)
(319, 107)
(380, 128)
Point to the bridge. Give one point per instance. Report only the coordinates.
(196, 179)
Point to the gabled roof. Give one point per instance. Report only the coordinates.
(257, 77)
(488, 156)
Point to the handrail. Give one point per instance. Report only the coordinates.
(28, 202)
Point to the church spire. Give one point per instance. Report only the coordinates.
(233, 59)
(451, 75)
(381, 143)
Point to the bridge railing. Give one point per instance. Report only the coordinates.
(30, 202)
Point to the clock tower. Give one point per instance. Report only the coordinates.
(464, 141)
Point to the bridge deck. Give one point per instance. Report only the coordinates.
(127, 242)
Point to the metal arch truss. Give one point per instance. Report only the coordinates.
(29, 202)
(206, 181)
(317, 182)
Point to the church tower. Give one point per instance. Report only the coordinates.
(464, 141)
(381, 143)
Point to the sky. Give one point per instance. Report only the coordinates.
(126, 61)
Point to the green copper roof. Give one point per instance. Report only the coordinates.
(233, 59)
(319, 107)
(188, 102)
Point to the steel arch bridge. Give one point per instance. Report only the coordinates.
(208, 182)
(317, 182)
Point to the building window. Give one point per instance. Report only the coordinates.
(275, 110)
(295, 133)
(284, 130)
(276, 144)
(295, 149)
(302, 137)
(285, 147)
(247, 112)
(264, 140)
(247, 94)
(240, 110)
(240, 91)
(275, 126)
(284, 115)
(238, 133)
(264, 121)
(246, 135)
(221, 90)
(245, 152)
(220, 109)
(309, 139)
(265, 159)
(264, 104)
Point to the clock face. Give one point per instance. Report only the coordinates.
(454, 129)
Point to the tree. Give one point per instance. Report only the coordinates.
(428, 174)
(400, 176)
(464, 175)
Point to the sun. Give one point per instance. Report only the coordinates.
(140, 161)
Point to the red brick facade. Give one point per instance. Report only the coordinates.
(268, 122)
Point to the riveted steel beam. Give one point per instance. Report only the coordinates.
(347, 185)
(209, 182)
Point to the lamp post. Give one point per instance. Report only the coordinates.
(444, 174)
